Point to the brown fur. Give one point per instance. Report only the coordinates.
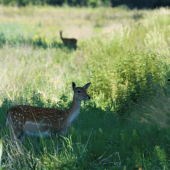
(69, 41)
(30, 119)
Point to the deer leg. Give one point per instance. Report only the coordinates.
(75, 47)
(17, 134)
(21, 136)
(64, 132)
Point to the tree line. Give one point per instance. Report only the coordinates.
(92, 3)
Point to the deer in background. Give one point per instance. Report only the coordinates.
(35, 121)
(69, 41)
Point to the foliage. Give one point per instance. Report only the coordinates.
(125, 125)
(91, 3)
(15, 34)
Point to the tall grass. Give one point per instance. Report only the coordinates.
(126, 123)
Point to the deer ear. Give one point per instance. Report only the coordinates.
(86, 86)
(73, 86)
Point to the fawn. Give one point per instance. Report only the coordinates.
(35, 121)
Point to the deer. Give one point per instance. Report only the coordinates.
(36, 121)
(69, 41)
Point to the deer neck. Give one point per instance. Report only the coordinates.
(61, 35)
(74, 109)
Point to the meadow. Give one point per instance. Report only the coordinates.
(124, 53)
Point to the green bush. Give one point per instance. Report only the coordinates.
(92, 3)
(14, 34)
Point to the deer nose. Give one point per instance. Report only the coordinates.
(88, 97)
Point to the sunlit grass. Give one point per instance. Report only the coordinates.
(123, 53)
(79, 23)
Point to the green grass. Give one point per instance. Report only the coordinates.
(123, 53)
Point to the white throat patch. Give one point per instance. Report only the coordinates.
(74, 116)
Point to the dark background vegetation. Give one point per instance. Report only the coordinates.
(93, 3)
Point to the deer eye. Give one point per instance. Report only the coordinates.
(79, 92)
